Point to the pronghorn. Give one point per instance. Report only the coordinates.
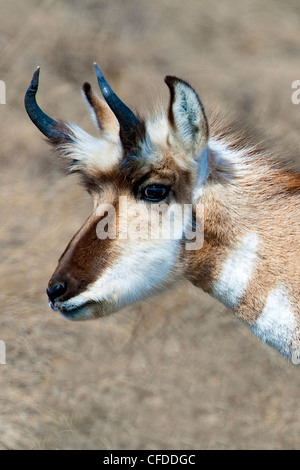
(248, 258)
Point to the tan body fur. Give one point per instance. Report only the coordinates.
(249, 257)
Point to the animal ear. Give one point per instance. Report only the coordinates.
(101, 113)
(187, 117)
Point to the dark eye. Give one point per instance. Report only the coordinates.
(155, 192)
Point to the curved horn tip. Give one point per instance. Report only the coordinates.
(48, 126)
(98, 71)
(124, 115)
(105, 88)
(35, 80)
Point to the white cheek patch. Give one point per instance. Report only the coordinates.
(142, 269)
(276, 324)
(236, 272)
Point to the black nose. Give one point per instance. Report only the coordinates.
(56, 291)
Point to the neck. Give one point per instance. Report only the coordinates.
(246, 262)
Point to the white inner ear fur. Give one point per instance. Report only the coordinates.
(187, 112)
(191, 128)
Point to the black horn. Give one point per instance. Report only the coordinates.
(125, 116)
(48, 126)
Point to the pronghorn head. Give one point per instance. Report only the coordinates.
(132, 168)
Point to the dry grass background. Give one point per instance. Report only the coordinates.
(179, 371)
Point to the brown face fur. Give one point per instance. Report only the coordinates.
(251, 218)
(122, 165)
(86, 257)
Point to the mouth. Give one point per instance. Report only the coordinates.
(87, 311)
(73, 313)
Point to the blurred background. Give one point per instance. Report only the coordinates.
(180, 371)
